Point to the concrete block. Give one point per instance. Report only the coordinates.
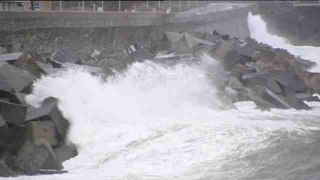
(18, 79)
(12, 56)
(5, 171)
(66, 152)
(230, 59)
(223, 47)
(13, 114)
(291, 80)
(42, 129)
(138, 53)
(50, 111)
(30, 158)
(63, 55)
(6, 137)
(29, 64)
(52, 161)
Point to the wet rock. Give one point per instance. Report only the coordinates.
(31, 158)
(28, 63)
(5, 171)
(42, 129)
(211, 37)
(13, 114)
(223, 47)
(46, 171)
(307, 97)
(230, 59)
(52, 161)
(290, 80)
(16, 78)
(3, 50)
(12, 56)
(50, 111)
(18, 138)
(6, 136)
(138, 53)
(66, 152)
(64, 54)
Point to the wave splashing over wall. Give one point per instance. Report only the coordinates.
(158, 122)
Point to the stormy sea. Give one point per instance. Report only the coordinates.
(158, 122)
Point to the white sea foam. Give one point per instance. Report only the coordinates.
(158, 122)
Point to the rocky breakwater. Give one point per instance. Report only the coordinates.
(32, 139)
(245, 70)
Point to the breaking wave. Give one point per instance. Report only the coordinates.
(165, 122)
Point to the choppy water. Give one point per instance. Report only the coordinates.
(158, 122)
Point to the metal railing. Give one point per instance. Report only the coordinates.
(167, 6)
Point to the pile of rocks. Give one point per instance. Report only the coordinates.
(32, 140)
(250, 71)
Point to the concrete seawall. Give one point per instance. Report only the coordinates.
(87, 31)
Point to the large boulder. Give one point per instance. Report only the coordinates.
(30, 158)
(66, 152)
(17, 79)
(14, 114)
(5, 171)
(50, 111)
(42, 129)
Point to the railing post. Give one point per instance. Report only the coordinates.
(60, 5)
(179, 5)
(159, 5)
(119, 4)
(102, 5)
(94, 6)
(188, 4)
(147, 5)
(82, 5)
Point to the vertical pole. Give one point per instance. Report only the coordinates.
(102, 5)
(170, 5)
(147, 5)
(60, 5)
(159, 5)
(94, 6)
(179, 5)
(82, 5)
(188, 4)
(119, 4)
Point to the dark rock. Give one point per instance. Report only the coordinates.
(5, 171)
(18, 79)
(12, 56)
(49, 100)
(138, 53)
(211, 37)
(66, 152)
(44, 171)
(293, 101)
(291, 80)
(63, 55)
(52, 161)
(31, 158)
(42, 129)
(6, 136)
(222, 48)
(50, 111)
(14, 114)
(307, 97)
(230, 59)
(29, 64)
(18, 138)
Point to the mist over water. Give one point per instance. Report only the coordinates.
(166, 122)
